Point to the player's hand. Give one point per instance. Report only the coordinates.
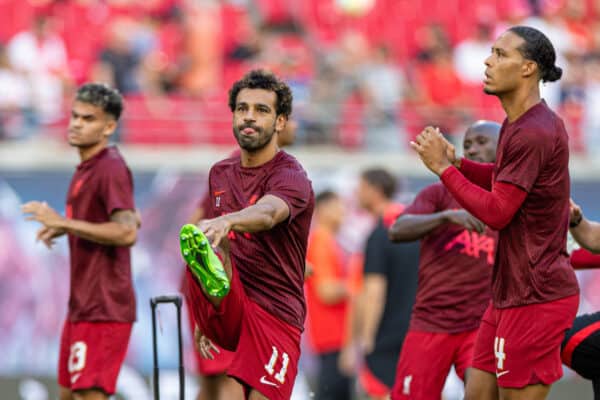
(348, 360)
(575, 213)
(47, 235)
(367, 345)
(462, 217)
(451, 154)
(43, 213)
(215, 229)
(434, 150)
(204, 345)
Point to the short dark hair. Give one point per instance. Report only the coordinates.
(103, 96)
(325, 196)
(538, 48)
(382, 180)
(261, 79)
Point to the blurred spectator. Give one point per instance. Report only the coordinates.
(552, 24)
(591, 122)
(441, 96)
(469, 55)
(39, 53)
(389, 287)
(349, 90)
(326, 94)
(203, 47)
(328, 294)
(572, 100)
(118, 60)
(16, 115)
(382, 86)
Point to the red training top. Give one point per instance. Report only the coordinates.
(532, 264)
(270, 263)
(101, 284)
(455, 270)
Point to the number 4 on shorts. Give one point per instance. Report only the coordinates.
(499, 352)
(270, 367)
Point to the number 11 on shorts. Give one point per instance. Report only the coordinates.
(499, 352)
(270, 367)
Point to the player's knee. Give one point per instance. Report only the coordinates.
(65, 394)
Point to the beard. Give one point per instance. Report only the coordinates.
(255, 142)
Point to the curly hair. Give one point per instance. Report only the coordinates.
(103, 96)
(261, 79)
(538, 48)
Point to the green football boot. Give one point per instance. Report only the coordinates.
(202, 261)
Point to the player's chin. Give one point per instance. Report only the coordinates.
(488, 89)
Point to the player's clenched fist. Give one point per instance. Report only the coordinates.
(435, 151)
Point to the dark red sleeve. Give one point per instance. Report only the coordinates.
(478, 173)
(583, 259)
(117, 188)
(427, 201)
(495, 208)
(293, 187)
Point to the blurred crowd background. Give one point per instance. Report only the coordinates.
(366, 74)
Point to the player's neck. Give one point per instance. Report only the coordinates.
(518, 102)
(85, 153)
(251, 159)
(378, 209)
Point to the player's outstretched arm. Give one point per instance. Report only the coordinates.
(265, 214)
(121, 230)
(584, 231)
(410, 227)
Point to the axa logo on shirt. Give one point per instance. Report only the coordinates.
(473, 244)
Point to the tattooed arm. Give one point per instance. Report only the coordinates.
(121, 230)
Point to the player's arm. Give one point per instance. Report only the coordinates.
(372, 305)
(197, 215)
(374, 290)
(265, 214)
(495, 208)
(121, 230)
(476, 172)
(410, 227)
(584, 231)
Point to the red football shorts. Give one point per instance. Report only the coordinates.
(267, 349)
(91, 354)
(205, 366)
(521, 345)
(425, 361)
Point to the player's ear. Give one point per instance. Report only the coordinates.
(110, 127)
(280, 122)
(529, 68)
